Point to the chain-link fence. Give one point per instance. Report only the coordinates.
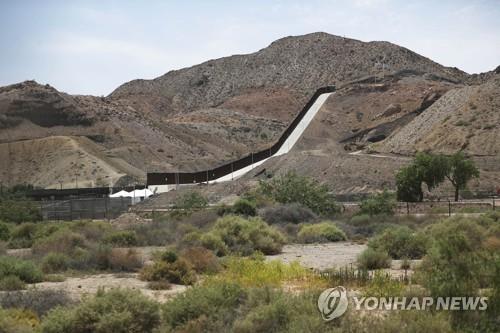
(84, 208)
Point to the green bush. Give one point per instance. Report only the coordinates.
(25, 270)
(288, 213)
(55, 262)
(190, 201)
(11, 282)
(117, 311)
(61, 241)
(19, 211)
(179, 271)
(201, 259)
(457, 251)
(124, 238)
(291, 188)
(168, 256)
(212, 302)
(401, 242)
(361, 220)
(378, 204)
(244, 236)
(373, 259)
(36, 300)
(17, 321)
(244, 207)
(4, 231)
(23, 235)
(320, 233)
(215, 243)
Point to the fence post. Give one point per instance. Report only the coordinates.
(106, 217)
(449, 207)
(407, 208)
(71, 209)
(493, 203)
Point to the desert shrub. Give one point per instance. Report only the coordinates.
(361, 220)
(159, 285)
(112, 311)
(215, 243)
(377, 204)
(198, 219)
(211, 303)
(124, 260)
(192, 238)
(23, 235)
(17, 321)
(288, 213)
(179, 271)
(256, 272)
(157, 233)
(4, 231)
(35, 300)
(382, 285)
(12, 282)
(271, 316)
(201, 259)
(190, 201)
(401, 242)
(408, 321)
(93, 231)
(373, 259)
(125, 238)
(168, 256)
(320, 233)
(61, 241)
(25, 270)
(457, 251)
(19, 211)
(55, 262)
(244, 236)
(244, 207)
(292, 188)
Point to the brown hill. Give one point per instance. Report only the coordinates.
(202, 116)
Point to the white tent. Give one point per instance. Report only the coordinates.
(122, 193)
(136, 195)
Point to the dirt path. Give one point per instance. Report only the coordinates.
(76, 287)
(321, 256)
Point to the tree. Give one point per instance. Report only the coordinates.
(376, 204)
(432, 169)
(409, 184)
(292, 188)
(460, 171)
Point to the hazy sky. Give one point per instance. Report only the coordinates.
(91, 47)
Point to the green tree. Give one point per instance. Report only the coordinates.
(432, 169)
(460, 171)
(376, 204)
(292, 188)
(409, 184)
(190, 201)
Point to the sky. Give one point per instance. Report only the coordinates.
(91, 47)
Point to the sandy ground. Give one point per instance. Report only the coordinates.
(313, 256)
(321, 256)
(76, 287)
(332, 255)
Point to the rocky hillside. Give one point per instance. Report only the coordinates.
(465, 119)
(293, 67)
(202, 116)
